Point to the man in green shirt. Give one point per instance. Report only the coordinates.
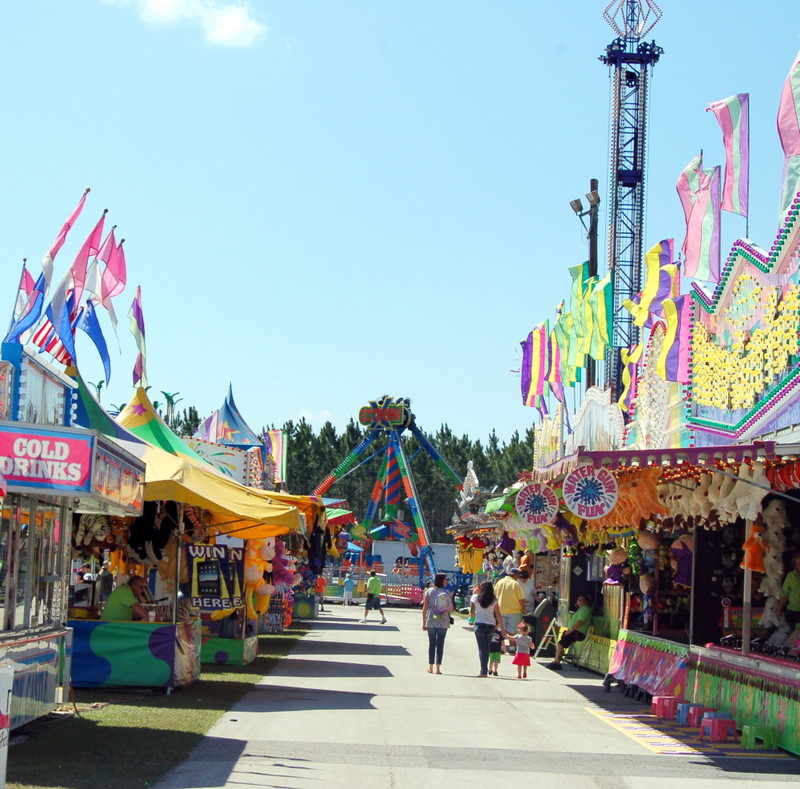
(789, 604)
(577, 630)
(374, 588)
(124, 603)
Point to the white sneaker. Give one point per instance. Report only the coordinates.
(383, 621)
(362, 620)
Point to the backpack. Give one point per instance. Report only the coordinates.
(440, 602)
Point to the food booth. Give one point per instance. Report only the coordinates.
(52, 472)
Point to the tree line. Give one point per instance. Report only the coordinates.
(312, 455)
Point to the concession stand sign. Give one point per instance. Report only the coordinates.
(537, 504)
(590, 492)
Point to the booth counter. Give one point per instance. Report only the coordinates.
(756, 690)
(135, 654)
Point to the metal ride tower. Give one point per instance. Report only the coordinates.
(388, 418)
(630, 60)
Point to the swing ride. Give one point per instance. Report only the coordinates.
(385, 420)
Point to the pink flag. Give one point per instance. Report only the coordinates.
(47, 260)
(90, 248)
(789, 133)
(115, 275)
(702, 245)
(689, 183)
(789, 111)
(734, 120)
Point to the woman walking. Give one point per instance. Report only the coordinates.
(436, 607)
(486, 613)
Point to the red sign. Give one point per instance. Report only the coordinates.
(392, 416)
(45, 459)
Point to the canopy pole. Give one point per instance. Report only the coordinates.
(747, 593)
(177, 566)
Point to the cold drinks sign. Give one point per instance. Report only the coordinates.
(590, 492)
(45, 459)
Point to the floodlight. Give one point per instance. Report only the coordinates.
(577, 206)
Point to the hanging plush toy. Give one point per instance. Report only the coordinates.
(754, 550)
(681, 560)
(635, 558)
(647, 585)
(257, 562)
(615, 569)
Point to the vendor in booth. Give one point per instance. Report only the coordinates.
(125, 602)
(789, 603)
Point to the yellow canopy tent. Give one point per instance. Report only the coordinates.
(243, 512)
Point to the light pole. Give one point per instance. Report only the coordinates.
(593, 198)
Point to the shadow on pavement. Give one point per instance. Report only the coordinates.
(278, 698)
(298, 667)
(307, 647)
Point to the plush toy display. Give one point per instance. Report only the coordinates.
(775, 519)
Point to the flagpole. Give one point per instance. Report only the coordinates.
(14, 308)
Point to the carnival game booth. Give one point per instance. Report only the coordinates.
(188, 501)
(694, 545)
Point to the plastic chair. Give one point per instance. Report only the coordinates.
(751, 734)
(669, 707)
(682, 712)
(696, 715)
(656, 705)
(717, 729)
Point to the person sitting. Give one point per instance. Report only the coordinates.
(125, 602)
(577, 630)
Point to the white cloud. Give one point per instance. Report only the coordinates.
(224, 22)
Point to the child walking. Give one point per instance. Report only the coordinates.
(496, 648)
(524, 644)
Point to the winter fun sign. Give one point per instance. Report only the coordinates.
(537, 504)
(590, 492)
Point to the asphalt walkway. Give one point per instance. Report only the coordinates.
(353, 705)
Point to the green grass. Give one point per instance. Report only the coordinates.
(133, 736)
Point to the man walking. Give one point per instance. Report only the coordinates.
(511, 599)
(374, 589)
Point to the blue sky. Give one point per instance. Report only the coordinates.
(327, 201)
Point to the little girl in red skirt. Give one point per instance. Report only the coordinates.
(524, 645)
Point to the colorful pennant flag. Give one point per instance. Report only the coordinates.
(673, 361)
(277, 440)
(535, 364)
(87, 322)
(688, 185)
(702, 246)
(733, 117)
(789, 133)
(136, 317)
(47, 260)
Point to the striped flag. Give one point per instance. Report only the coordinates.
(789, 133)
(734, 119)
(137, 330)
(535, 364)
(702, 245)
(689, 184)
(673, 360)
